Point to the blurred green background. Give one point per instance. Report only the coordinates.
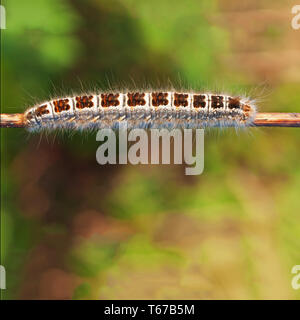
(72, 229)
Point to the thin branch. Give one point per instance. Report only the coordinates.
(13, 120)
(16, 120)
(277, 119)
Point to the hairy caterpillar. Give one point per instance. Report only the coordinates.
(157, 109)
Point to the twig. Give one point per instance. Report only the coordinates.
(13, 120)
(280, 119)
(277, 119)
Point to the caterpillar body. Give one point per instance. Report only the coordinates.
(141, 110)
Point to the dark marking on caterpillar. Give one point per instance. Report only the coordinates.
(84, 102)
(234, 103)
(61, 105)
(40, 111)
(217, 102)
(109, 100)
(159, 99)
(199, 101)
(180, 99)
(136, 99)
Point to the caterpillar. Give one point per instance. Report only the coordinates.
(157, 109)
